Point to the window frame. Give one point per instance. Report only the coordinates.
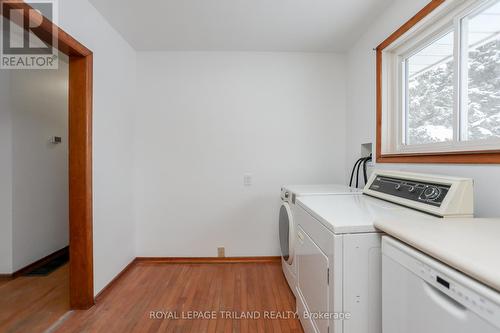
(390, 124)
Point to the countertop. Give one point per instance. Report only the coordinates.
(470, 245)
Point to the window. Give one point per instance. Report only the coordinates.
(429, 77)
(438, 82)
(482, 83)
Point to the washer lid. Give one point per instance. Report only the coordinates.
(321, 189)
(354, 213)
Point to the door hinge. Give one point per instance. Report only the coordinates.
(328, 276)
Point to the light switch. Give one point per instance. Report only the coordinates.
(55, 139)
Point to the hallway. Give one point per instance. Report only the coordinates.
(33, 303)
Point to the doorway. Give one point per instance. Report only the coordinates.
(81, 276)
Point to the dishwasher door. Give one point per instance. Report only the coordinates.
(421, 295)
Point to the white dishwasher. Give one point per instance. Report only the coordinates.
(422, 295)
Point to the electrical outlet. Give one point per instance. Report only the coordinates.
(221, 252)
(247, 179)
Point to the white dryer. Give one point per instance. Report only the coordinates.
(287, 227)
(337, 253)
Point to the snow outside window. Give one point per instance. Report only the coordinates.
(443, 82)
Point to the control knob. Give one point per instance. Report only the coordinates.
(432, 192)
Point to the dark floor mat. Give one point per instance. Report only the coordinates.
(50, 266)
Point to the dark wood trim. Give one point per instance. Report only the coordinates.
(80, 182)
(461, 157)
(80, 153)
(469, 157)
(48, 32)
(410, 23)
(113, 282)
(59, 253)
(207, 260)
(378, 144)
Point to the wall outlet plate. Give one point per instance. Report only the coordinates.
(221, 252)
(247, 179)
(366, 149)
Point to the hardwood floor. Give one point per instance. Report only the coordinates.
(149, 292)
(33, 303)
(4, 280)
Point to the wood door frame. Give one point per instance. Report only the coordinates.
(81, 273)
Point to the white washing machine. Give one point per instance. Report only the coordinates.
(337, 253)
(287, 227)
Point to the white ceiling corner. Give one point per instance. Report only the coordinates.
(241, 25)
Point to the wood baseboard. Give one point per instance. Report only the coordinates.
(113, 282)
(207, 260)
(59, 253)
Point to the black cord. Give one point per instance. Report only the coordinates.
(354, 168)
(369, 158)
(352, 172)
(357, 171)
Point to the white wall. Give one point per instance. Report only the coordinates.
(39, 102)
(207, 118)
(361, 109)
(5, 175)
(113, 108)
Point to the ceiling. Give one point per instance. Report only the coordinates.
(241, 25)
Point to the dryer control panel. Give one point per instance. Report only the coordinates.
(438, 195)
(429, 193)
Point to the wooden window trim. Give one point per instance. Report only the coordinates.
(456, 157)
(81, 273)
